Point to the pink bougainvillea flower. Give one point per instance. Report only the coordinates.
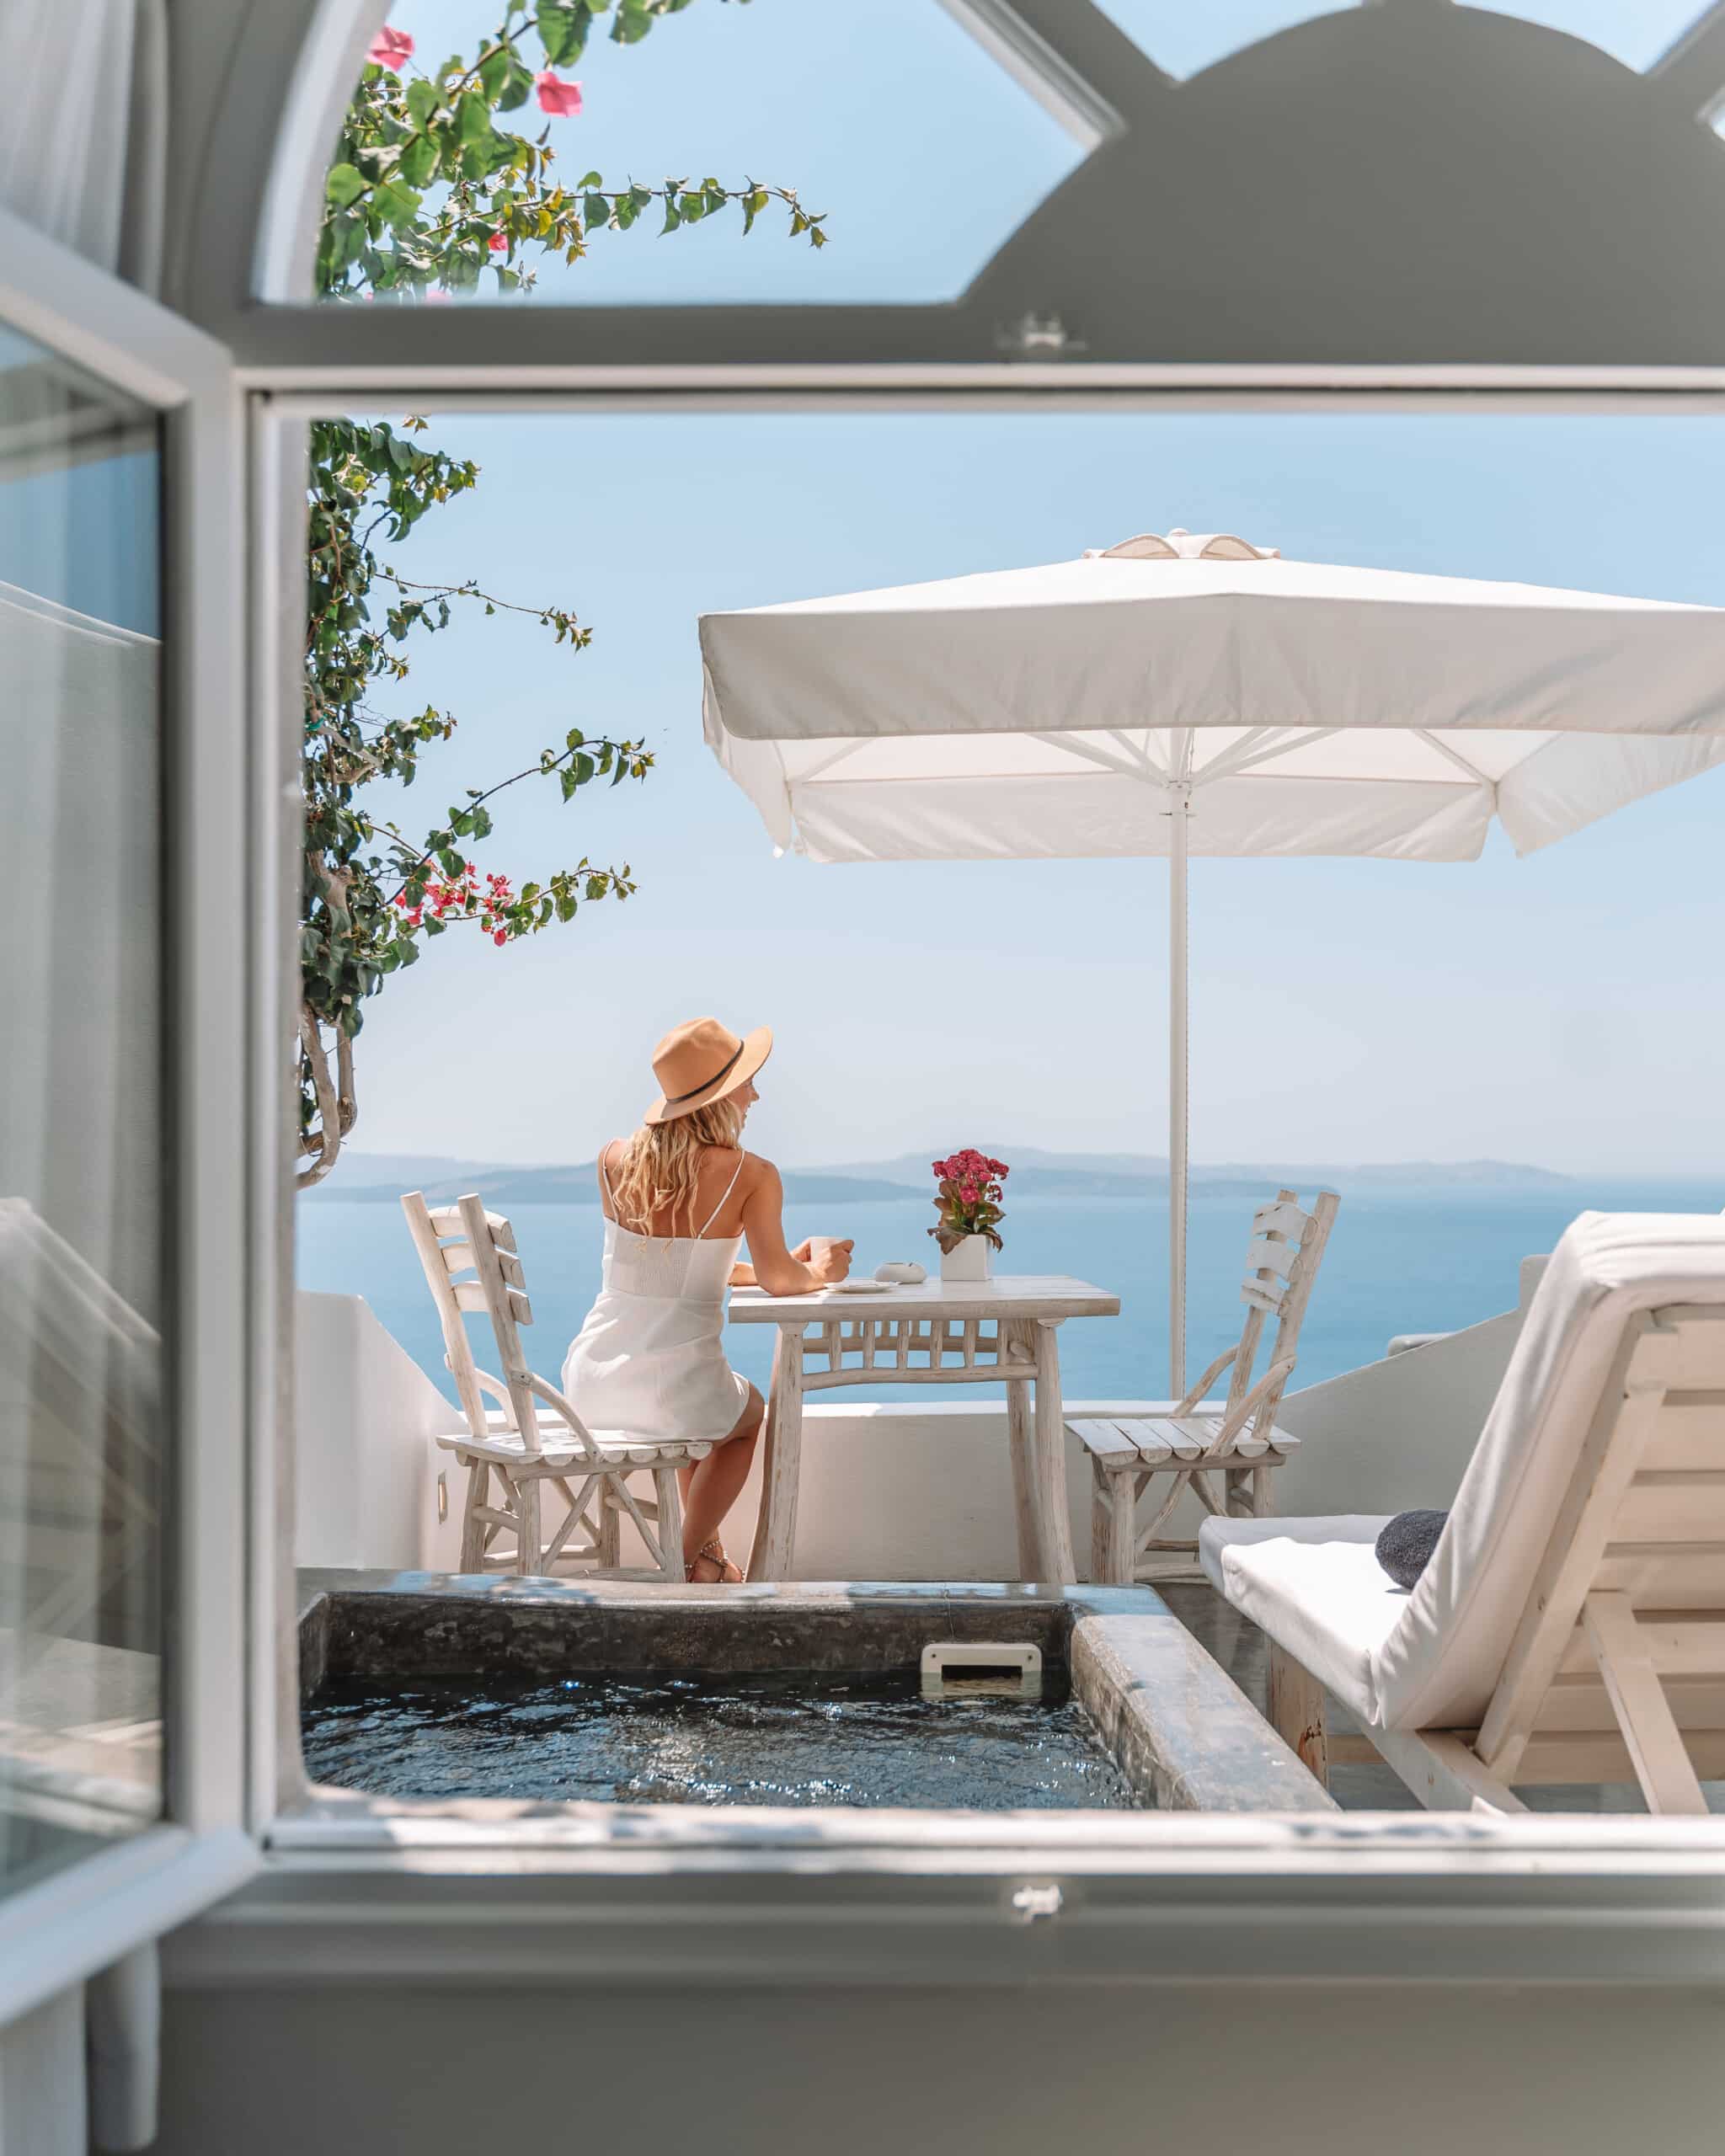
(436, 297)
(561, 99)
(391, 48)
(500, 936)
(497, 242)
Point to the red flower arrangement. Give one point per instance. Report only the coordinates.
(968, 1203)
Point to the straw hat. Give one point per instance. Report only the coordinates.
(702, 1061)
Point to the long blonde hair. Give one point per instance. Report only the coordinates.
(662, 1164)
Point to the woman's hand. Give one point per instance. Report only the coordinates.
(827, 1259)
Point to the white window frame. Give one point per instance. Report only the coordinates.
(910, 1897)
(82, 1919)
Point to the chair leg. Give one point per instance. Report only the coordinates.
(1297, 1712)
(472, 1556)
(1123, 1512)
(530, 1548)
(671, 1522)
(1102, 1516)
(610, 1552)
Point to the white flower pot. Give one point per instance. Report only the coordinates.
(972, 1259)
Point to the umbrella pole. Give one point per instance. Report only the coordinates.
(1177, 1090)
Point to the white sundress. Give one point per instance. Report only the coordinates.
(648, 1362)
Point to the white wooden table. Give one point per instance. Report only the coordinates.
(970, 1332)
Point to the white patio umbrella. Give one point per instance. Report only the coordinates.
(1199, 694)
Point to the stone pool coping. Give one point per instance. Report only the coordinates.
(1183, 1732)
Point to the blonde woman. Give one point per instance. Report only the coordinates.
(679, 1197)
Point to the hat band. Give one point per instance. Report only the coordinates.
(673, 1100)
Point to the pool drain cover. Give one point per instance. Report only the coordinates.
(956, 1668)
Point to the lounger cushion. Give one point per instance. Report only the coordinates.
(1316, 1587)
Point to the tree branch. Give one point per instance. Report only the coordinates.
(326, 1142)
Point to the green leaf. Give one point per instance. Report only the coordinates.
(494, 71)
(596, 209)
(671, 218)
(515, 90)
(345, 184)
(422, 100)
(563, 30)
(419, 160)
(399, 205)
(472, 117)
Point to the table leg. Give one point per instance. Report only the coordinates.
(1022, 1437)
(775, 1530)
(1049, 1450)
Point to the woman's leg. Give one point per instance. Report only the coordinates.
(712, 1486)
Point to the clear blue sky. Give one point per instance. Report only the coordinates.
(1563, 1010)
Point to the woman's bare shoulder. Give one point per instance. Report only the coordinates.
(757, 1172)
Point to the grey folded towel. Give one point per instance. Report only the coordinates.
(1407, 1543)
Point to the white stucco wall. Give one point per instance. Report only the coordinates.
(902, 1486)
(365, 1415)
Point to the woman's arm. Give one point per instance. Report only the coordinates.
(781, 1271)
(743, 1276)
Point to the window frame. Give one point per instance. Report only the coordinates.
(86, 1916)
(925, 1897)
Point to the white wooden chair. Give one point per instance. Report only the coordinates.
(470, 1264)
(1570, 1626)
(1170, 1454)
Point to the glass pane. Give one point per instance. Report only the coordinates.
(82, 1198)
(1636, 32)
(923, 153)
(1182, 39)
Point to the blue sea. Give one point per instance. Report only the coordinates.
(1401, 1261)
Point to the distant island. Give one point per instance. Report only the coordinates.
(360, 1178)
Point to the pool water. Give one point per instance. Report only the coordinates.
(779, 1739)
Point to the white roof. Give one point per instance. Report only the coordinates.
(1316, 709)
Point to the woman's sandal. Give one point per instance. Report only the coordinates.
(711, 1552)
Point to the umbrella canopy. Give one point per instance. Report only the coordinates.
(1199, 693)
(1313, 709)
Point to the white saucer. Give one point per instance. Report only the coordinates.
(861, 1286)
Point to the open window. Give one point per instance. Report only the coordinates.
(125, 1266)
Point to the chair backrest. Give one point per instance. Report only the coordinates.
(470, 1264)
(1282, 1258)
(1601, 1473)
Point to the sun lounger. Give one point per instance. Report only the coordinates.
(1570, 1626)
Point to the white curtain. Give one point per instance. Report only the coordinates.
(81, 153)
